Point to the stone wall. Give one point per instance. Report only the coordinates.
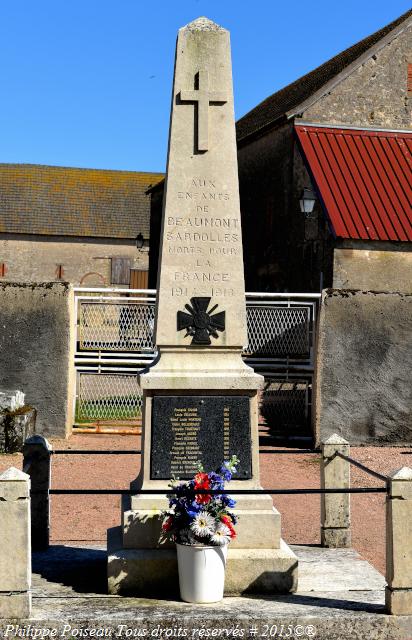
(85, 262)
(363, 385)
(375, 94)
(36, 350)
(373, 266)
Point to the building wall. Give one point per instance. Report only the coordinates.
(363, 383)
(36, 350)
(85, 262)
(373, 266)
(375, 95)
(283, 249)
(265, 175)
(311, 255)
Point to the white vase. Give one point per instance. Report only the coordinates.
(201, 572)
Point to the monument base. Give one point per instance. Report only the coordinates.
(259, 524)
(153, 572)
(259, 561)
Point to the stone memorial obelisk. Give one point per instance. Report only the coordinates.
(200, 399)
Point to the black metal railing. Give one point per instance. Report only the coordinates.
(361, 466)
(243, 492)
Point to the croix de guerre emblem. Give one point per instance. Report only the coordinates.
(199, 322)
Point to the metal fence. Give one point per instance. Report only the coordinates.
(110, 325)
(114, 342)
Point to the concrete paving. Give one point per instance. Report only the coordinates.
(340, 596)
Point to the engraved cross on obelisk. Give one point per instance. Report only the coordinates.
(203, 97)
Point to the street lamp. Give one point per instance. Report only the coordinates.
(307, 201)
(139, 241)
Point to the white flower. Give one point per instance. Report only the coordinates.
(203, 525)
(221, 536)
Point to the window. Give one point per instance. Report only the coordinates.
(121, 270)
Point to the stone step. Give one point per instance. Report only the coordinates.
(340, 596)
(151, 572)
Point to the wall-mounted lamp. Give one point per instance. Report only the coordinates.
(139, 241)
(307, 201)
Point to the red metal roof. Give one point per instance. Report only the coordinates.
(364, 179)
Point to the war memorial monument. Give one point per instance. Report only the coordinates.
(200, 398)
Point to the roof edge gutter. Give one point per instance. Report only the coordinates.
(301, 123)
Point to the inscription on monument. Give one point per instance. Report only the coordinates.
(192, 430)
(207, 236)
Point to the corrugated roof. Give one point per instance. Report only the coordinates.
(38, 199)
(364, 179)
(294, 94)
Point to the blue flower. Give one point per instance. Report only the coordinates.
(228, 501)
(193, 508)
(226, 474)
(216, 481)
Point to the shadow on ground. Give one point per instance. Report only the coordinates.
(63, 571)
(83, 570)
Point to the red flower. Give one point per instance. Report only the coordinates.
(168, 524)
(227, 520)
(202, 479)
(202, 482)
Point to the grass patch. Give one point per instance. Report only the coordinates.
(111, 408)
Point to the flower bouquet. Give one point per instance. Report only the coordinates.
(202, 525)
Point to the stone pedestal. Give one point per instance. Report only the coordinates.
(37, 460)
(15, 549)
(335, 507)
(259, 561)
(200, 399)
(399, 543)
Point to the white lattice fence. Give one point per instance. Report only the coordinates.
(115, 342)
(278, 331)
(120, 326)
(284, 403)
(108, 396)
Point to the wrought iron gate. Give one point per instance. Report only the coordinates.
(114, 342)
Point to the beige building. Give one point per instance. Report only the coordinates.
(74, 225)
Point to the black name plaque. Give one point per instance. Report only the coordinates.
(192, 430)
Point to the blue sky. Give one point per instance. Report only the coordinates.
(87, 83)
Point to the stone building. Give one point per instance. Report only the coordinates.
(74, 225)
(342, 133)
(341, 139)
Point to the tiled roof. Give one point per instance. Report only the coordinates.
(294, 94)
(364, 179)
(37, 199)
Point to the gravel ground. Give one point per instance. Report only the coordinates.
(86, 518)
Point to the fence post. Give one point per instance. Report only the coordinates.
(36, 462)
(399, 543)
(15, 552)
(335, 507)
